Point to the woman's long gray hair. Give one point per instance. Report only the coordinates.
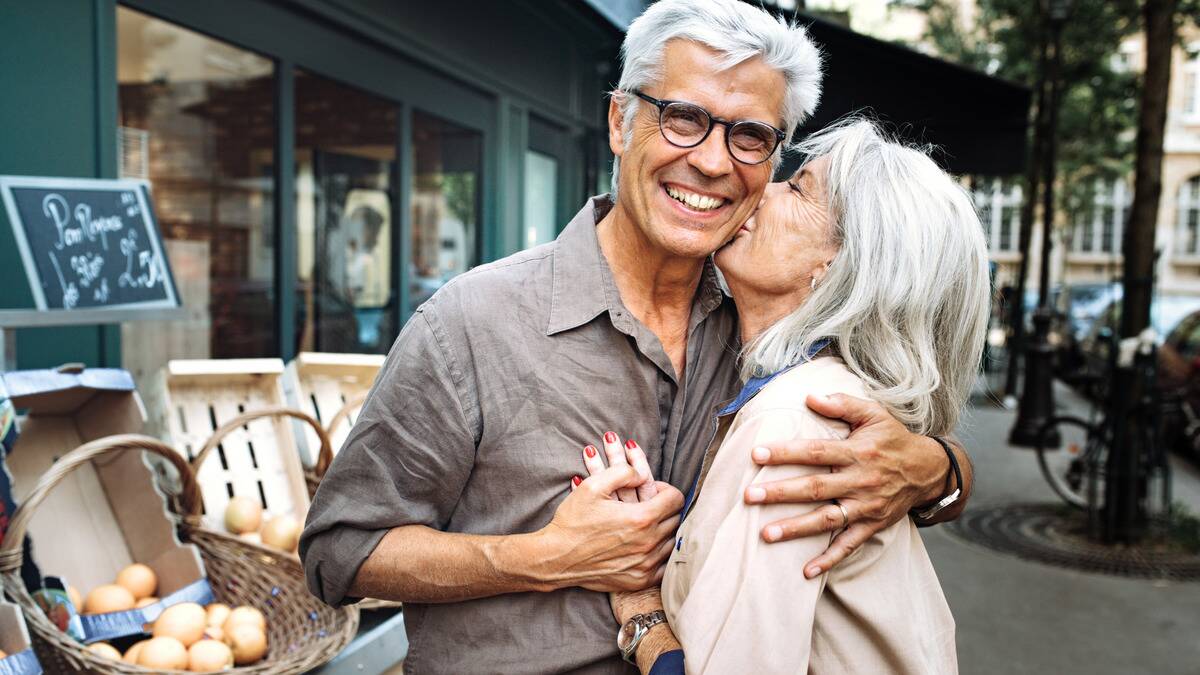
(906, 298)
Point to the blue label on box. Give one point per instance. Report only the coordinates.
(21, 663)
(97, 627)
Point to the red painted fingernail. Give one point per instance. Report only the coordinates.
(610, 437)
(630, 444)
(576, 480)
(590, 451)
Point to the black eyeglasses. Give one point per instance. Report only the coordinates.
(686, 125)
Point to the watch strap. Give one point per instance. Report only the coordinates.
(923, 515)
(642, 625)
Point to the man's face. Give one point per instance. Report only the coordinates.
(657, 179)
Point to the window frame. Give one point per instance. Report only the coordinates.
(1113, 198)
(997, 195)
(1189, 84)
(291, 40)
(1187, 200)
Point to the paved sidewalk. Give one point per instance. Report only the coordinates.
(1015, 616)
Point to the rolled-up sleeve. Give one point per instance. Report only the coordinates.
(404, 463)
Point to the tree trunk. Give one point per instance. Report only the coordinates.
(1138, 246)
(1125, 480)
(1016, 312)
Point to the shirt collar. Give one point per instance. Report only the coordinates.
(583, 282)
(756, 384)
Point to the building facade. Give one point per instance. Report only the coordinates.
(1087, 246)
(319, 167)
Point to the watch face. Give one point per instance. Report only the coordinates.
(625, 636)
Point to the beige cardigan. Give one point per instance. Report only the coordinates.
(739, 605)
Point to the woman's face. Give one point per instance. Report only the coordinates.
(786, 242)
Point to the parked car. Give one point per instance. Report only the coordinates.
(1179, 380)
(1086, 302)
(1166, 313)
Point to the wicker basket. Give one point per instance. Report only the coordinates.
(302, 632)
(312, 475)
(352, 405)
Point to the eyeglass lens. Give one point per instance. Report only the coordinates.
(685, 125)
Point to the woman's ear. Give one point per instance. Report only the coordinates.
(821, 272)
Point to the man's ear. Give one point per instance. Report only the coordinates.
(616, 122)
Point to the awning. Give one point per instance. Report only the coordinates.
(977, 122)
(620, 13)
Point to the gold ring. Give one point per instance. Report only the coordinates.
(845, 515)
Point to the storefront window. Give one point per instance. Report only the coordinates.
(345, 168)
(447, 164)
(197, 119)
(541, 192)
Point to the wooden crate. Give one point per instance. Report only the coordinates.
(192, 398)
(321, 384)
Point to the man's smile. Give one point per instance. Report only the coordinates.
(694, 200)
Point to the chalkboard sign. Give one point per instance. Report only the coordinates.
(89, 246)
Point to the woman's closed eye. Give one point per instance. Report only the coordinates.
(794, 185)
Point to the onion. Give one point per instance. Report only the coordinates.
(282, 532)
(243, 515)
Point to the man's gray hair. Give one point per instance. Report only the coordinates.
(906, 297)
(736, 30)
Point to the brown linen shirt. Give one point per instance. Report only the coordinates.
(476, 425)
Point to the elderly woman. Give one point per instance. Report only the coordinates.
(864, 274)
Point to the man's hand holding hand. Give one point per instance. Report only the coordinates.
(880, 473)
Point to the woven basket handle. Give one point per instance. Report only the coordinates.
(353, 403)
(10, 550)
(324, 456)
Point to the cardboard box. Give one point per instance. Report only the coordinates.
(193, 398)
(319, 384)
(14, 641)
(104, 515)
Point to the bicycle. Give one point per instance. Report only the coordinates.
(1076, 466)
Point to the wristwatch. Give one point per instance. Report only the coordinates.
(634, 630)
(922, 516)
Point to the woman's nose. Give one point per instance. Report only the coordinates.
(772, 189)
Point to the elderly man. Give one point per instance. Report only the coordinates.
(451, 492)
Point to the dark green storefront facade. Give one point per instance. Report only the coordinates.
(326, 163)
(57, 67)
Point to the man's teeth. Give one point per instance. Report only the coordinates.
(697, 202)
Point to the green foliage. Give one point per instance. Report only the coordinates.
(1097, 120)
(1189, 11)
